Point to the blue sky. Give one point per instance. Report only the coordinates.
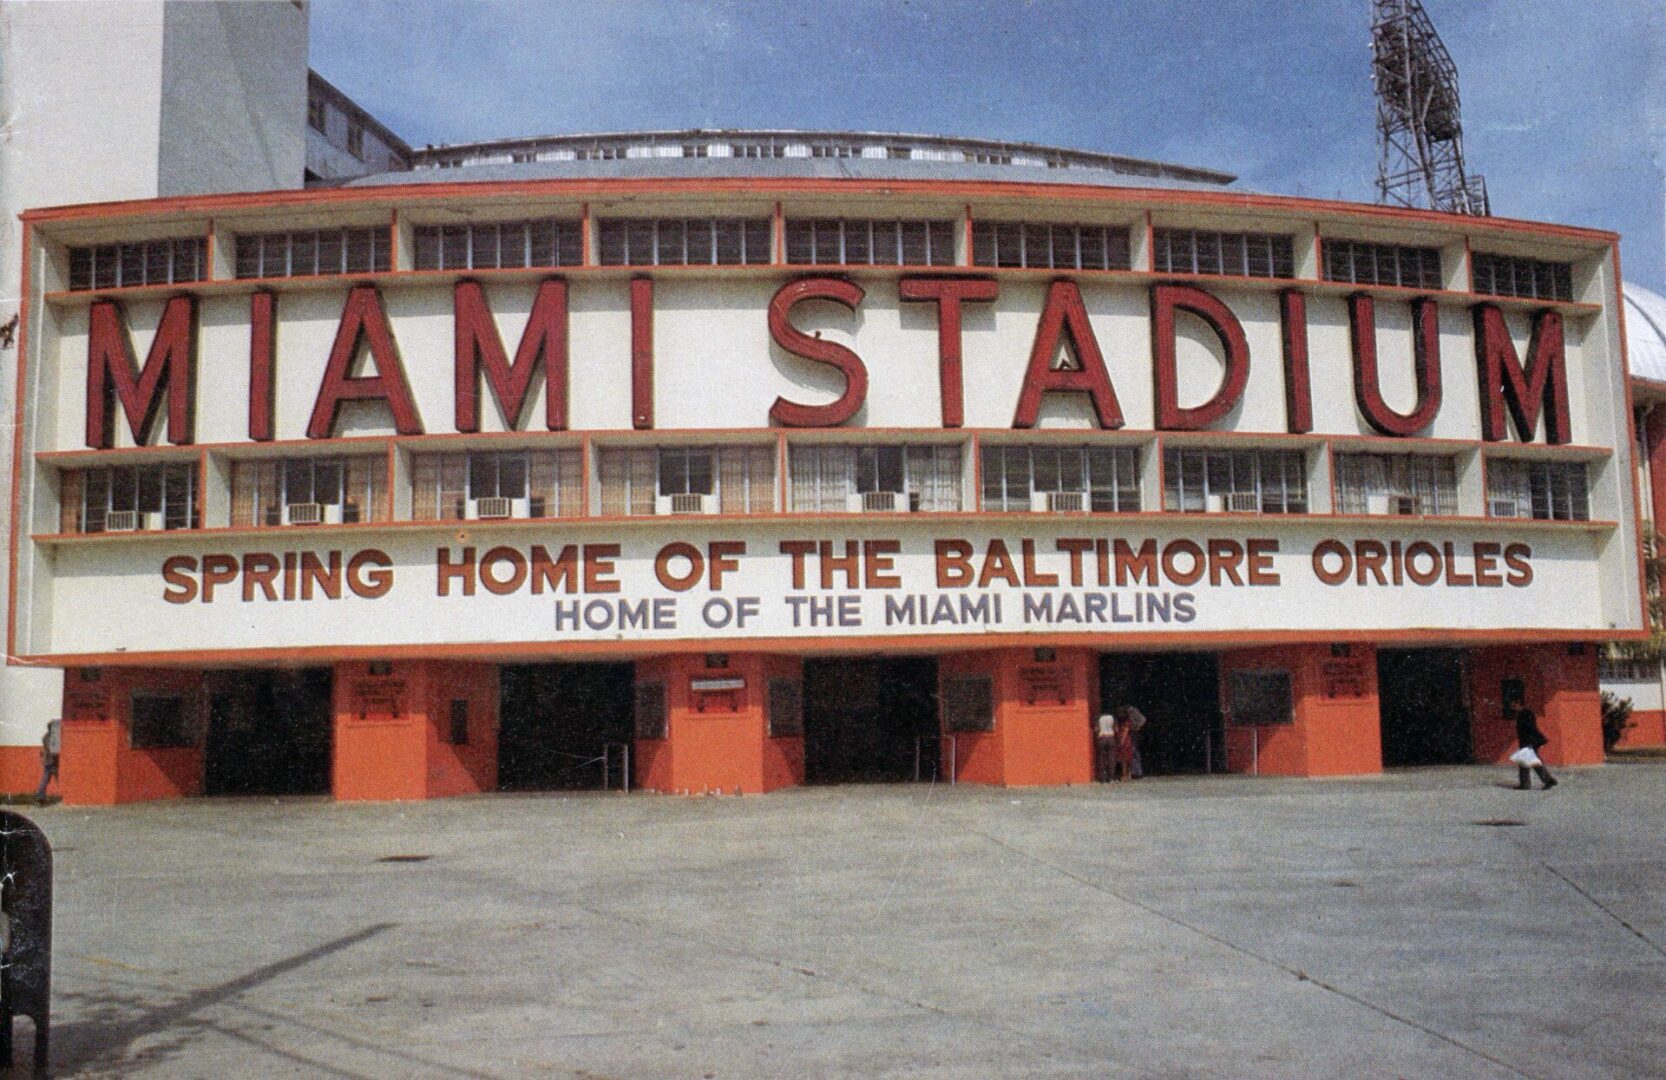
(1564, 105)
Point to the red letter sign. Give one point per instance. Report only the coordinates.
(1298, 389)
(363, 320)
(797, 342)
(949, 293)
(642, 352)
(263, 332)
(1425, 321)
(1544, 385)
(111, 369)
(1064, 312)
(1165, 301)
(480, 351)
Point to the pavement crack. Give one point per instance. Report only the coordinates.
(1604, 908)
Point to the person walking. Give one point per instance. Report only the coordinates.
(1527, 759)
(50, 744)
(1104, 746)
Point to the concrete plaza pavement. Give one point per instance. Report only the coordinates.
(1199, 927)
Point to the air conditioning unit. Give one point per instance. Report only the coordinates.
(686, 503)
(1243, 502)
(1066, 502)
(308, 513)
(1404, 505)
(882, 502)
(122, 521)
(1376, 504)
(1504, 508)
(494, 506)
(1214, 504)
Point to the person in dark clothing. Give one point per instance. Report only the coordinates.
(1527, 761)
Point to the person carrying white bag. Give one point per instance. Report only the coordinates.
(1527, 760)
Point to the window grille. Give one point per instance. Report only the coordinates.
(840, 241)
(1106, 479)
(740, 478)
(1260, 481)
(317, 113)
(129, 498)
(504, 245)
(1534, 279)
(355, 138)
(1382, 264)
(759, 150)
(1193, 251)
(684, 241)
(535, 483)
(786, 709)
(314, 251)
(157, 722)
(1260, 697)
(1396, 484)
(1626, 669)
(836, 479)
(146, 262)
(648, 712)
(1057, 247)
(969, 703)
(289, 491)
(1545, 490)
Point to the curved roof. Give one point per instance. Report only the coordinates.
(1645, 315)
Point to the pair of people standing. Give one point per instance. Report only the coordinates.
(1117, 753)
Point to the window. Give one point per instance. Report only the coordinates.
(687, 480)
(1396, 484)
(1191, 251)
(1627, 669)
(129, 498)
(969, 703)
(147, 262)
(840, 479)
(684, 241)
(840, 241)
(157, 722)
(786, 709)
(488, 484)
(1239, 481)
(502, 245)
(1057, 247)
(317, 113)
(1546, 490)
(457, 729)
(309, 491)
(312, 252)
(1260, 697)
(355, 137)
(1061, 479)
(759, 150)
(648, 712)
(1534, 279)
(1382, 264)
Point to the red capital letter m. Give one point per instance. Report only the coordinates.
(1543, 386)
(112, 373)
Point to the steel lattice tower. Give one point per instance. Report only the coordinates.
(1419, 130)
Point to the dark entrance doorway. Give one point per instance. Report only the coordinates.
(1180, 697)
(862, 717)
(555, 719)
(1423, 696)
(268, 733)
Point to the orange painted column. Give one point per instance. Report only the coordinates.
(1336, 726)
(1041, 704)
(107, 758)
(414, 729)
(1560, 681)
(703, 723)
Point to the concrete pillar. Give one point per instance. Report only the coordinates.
(1042, 702)
(716, 733)
(99, 763)
(414, 729)
(1336, 726)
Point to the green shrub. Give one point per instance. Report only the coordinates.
(1616, 719)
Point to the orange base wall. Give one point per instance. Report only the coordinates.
(1648, 729)
(1336, 731)
(1043, 718)
(1561, 688)
(718, 741)
(20, 771)
(392, 731)
(98, 765)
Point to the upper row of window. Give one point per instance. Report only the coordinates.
(821, 478)
(555, 242)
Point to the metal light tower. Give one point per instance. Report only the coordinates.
(1419, 131)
